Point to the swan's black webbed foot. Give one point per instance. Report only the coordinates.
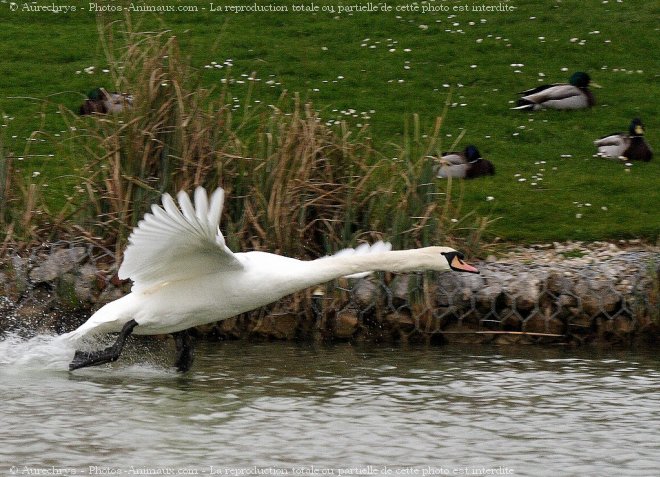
(110, 354)
(185, 350)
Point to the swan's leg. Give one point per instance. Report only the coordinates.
(185, 351)
(83, 359)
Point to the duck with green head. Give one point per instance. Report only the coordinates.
(466, 164)
(572, 95)
(630, 147)
(100, 101)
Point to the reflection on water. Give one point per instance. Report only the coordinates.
(534, 411)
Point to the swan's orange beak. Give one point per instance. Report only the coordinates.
(460, 266)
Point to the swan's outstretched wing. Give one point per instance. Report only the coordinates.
(171, 244)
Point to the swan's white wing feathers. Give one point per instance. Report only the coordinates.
(187, 208)
(364, 249)
(174, 244)
(201, 205)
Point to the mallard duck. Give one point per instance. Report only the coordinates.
(184, 275)
(467, 164)
(101, 102)
(631, 146)
(574, 95)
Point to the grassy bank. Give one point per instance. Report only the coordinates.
(373, 73)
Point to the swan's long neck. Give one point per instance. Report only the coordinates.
(391, 261)
(329, 268)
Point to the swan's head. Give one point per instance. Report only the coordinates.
(453, 260)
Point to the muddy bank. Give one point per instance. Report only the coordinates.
(558, 293)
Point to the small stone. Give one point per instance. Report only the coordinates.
(57, 264)
(279, 327)
(539, 323)
(346, 323)
(366, 292)
(400, 320)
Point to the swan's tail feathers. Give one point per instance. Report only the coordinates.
(72, 336)
(79, 333)
(93, 327)
(364, 249)
(108, 319)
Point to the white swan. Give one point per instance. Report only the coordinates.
(184, 276)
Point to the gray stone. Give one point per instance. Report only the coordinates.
(567, 301)
(558, 284)
(597, 296)
(19, 269)
(489, 295)
(540, 322)
(401, 287)
(400, 320)
(524, 293)
(109, 293)
(7, 286)
(57, 264)
(85, 283)
(366, 293)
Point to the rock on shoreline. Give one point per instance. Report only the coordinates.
(571, 293)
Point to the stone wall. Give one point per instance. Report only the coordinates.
(561, 293)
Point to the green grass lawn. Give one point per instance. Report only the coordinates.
(380, 69)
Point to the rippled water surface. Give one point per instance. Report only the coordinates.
(279, 408)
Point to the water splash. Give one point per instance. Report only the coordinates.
(48, 352)
(42, 351)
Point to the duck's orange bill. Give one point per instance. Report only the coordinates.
(459, 265)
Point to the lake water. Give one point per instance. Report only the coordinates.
(291, 409)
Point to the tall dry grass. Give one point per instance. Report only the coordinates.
(6, 186)
(19, 199)
(294, 185)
